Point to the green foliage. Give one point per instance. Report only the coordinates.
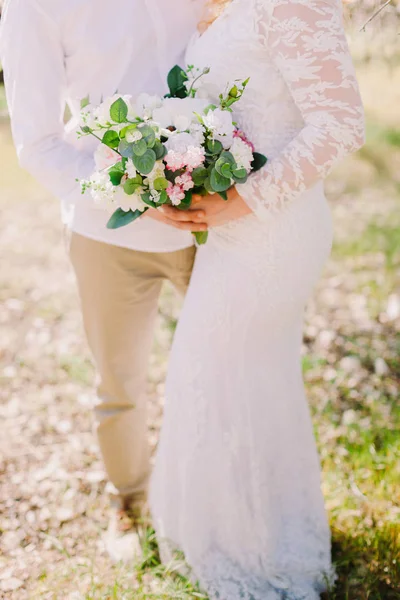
(259, 161)
(120, 218)
(111, 139)
(119, 111)
(176, 82)
(145, 163)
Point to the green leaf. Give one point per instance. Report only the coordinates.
(259, 161)
(201, 237)
(223, 195)
(121, 218)
(225, 164)
(239, 173)
(146, 197)
(226, 171)
(119, 111)
(145, 163)
(159, 149)
(85, 101)
(163, 198)
(176, 82)
(148, 135)
(132, 184)
(199, 176)
(115, 176)
(219, 183)
(125, 149)
(186, 202)
(111, 139)
(214, 147)
(207, 185)
(126, 129)
(160, 184)
(139, 147)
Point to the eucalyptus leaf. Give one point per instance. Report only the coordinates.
(199, 175)
(125, 149)
(160, 184)
(145, 163)
(139, 147)
(214, 147)
(219, 183)
(146, 197)
(159, 149)
(131, 186)
(115, 176)
(121, 218)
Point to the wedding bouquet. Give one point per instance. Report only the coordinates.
(157, 151)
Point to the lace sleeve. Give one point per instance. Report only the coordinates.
(307, 44)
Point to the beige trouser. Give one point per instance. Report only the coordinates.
(119, 290)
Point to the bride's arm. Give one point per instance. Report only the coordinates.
(307, 43)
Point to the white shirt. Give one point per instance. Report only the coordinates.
(56, 52)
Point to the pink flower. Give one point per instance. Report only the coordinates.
(174, 160)
(175, 194)
(238, 133)
(194, 157)
(185, 181)
(105, 157)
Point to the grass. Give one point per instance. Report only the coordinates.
(51, 460)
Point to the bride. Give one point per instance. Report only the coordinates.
(236, 486)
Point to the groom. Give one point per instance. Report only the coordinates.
(55, 53)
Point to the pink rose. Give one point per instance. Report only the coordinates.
(105, 157)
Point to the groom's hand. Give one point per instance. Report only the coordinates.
(187, 220)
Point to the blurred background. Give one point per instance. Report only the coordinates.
(53, 505)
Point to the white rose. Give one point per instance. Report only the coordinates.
(180, 142)
(219, 122)
(146, 104)
(179, 112)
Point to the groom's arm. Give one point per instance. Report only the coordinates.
(35, 79)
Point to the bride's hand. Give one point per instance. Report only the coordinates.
(217, 211)
(193, 220)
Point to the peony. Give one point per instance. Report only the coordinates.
(180, 142)
(105, 157)
(219, 122)
(179, 113)
(242, 154)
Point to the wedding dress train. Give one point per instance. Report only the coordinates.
(236, 485)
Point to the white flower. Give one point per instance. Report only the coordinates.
(128, 202)
(219, 122)
(102, 190)
(157, 172)
(130, 169)
(133, 136)
(180, 142)
(194, 157)
(179, 112)
(87, 117)
(146, 104)
(196, 130)
(242, 154)
(105, 157)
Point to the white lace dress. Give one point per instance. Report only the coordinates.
(236, 485)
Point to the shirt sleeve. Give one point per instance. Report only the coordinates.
(307, 44)
(35, 80)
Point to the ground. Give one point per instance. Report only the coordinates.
(53, 500)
